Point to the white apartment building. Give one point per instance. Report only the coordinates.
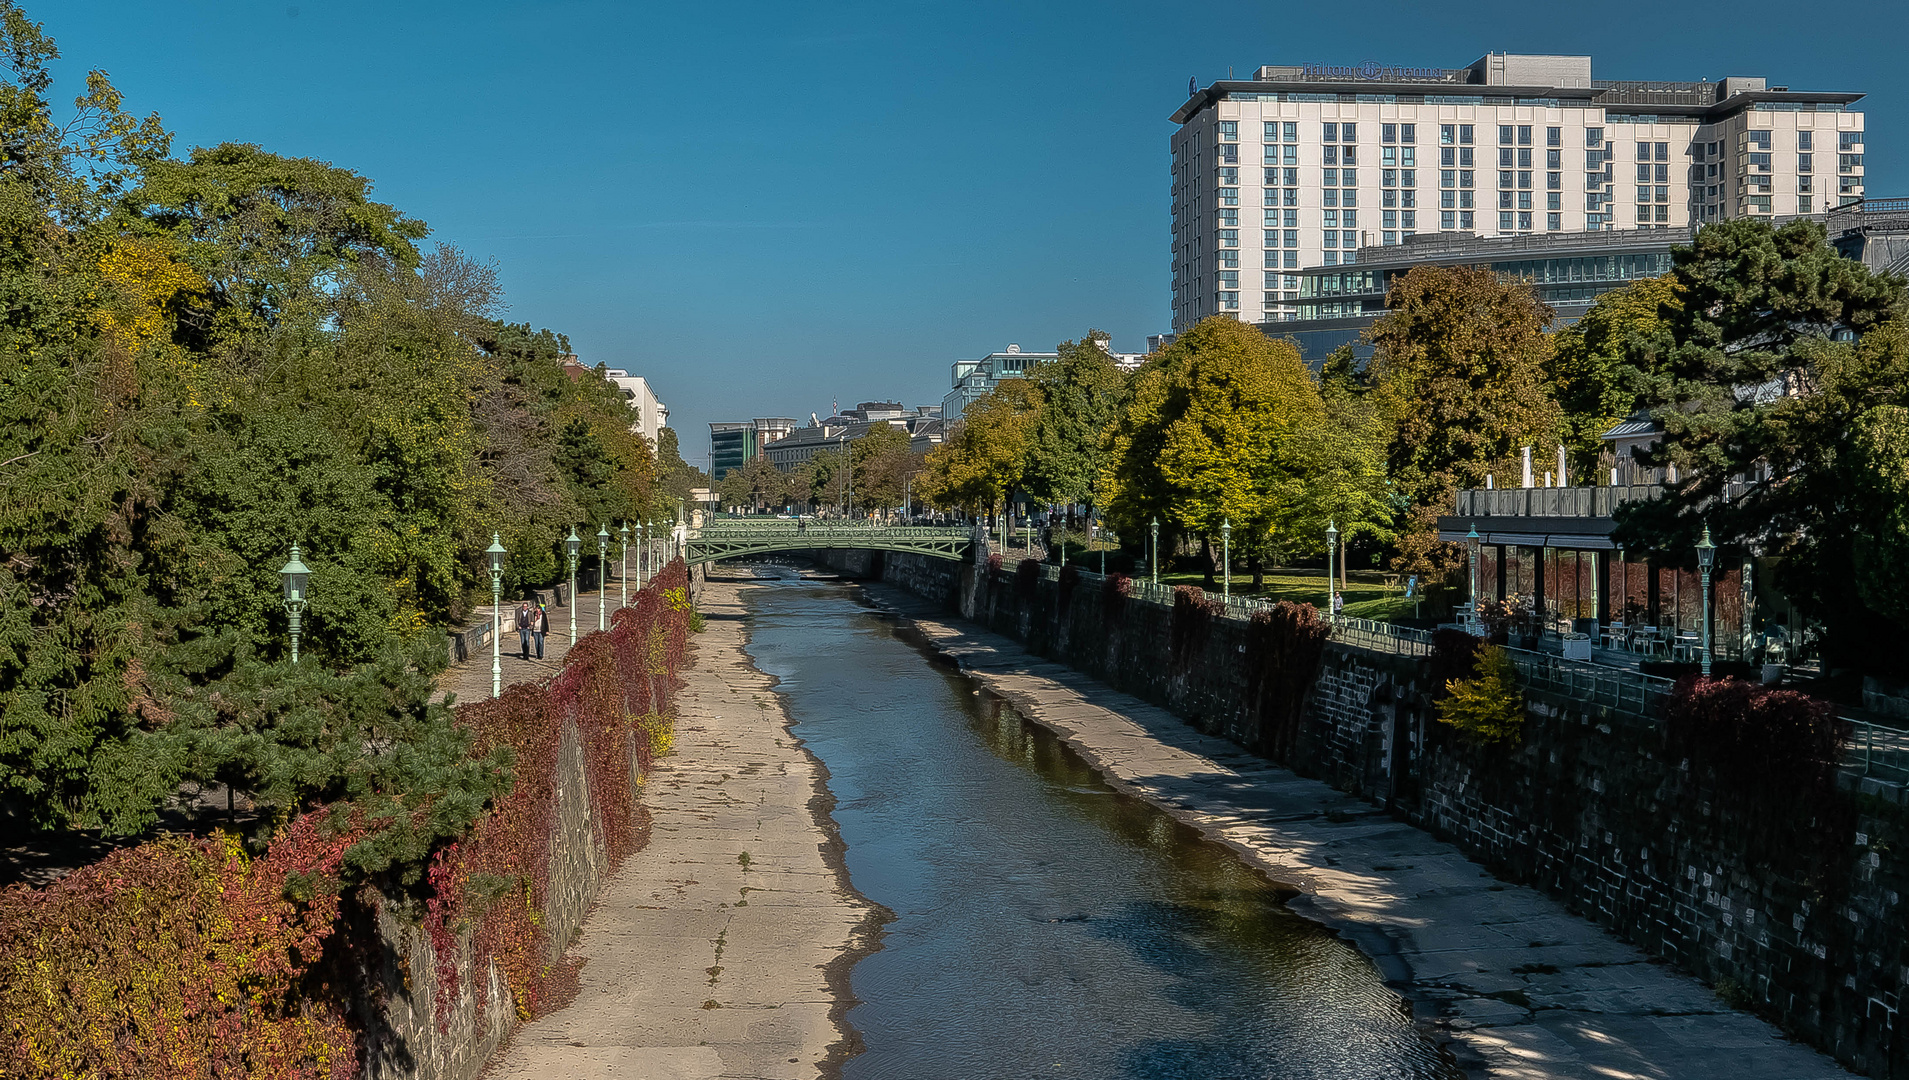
(651, 414)
(1303, 165)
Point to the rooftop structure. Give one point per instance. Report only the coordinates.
(1340, 159)
(651, 415)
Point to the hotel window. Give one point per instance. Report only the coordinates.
(1447, 200)
(1505, 179)
(1524, 200)
(1447, 219)
(1448, 178)
(1331, 219)
(1593, 181)
(1230, 130)
(1408, 157)
(1272, 238)
(1272, 131)
(1554, 222)
(1593, 202)
(1465, 178)
(1272, 177)
(1388, 177)
(1348, 197)
(1230, 153)
(1505, 222)
(1760, 162)
(1331, 133)
(1229, 238)
(1270, 156)
(1465, 219)
(1408, 133)
(1272, 282)
(1292, 177)
(1643, 151)
(1289, 155)
(1447, 134)
(1805, 184)
(1504, 200)
(1349, 154)
(1803, 162)
(1330, 177)
(1643, 194)
(1290, 260)
(1643, 173)
(1554, 181)
(1388, 133)
(1524, 222)
(1805, 140)
(1554, 159)
(1448, 157)
(1229, 176)
(1846, 163)
(1663, 151)
(1643, 215)
(1408, 219)
(1229, 217)
(1329, 197)
(1346, 132)
(1329, 258)
(1291, 220)
(1524, 134)
(1388, 197)
(1408, 178)
(1504, 136)
(1292, 196)
(1524, 159)
(1663, 194)
(1332, 238)
(1505, 157)
(1230, 301)
(1806, 204)
(1227, 257)
(1389, 239)
(1388, 157)
(1350, 219)
(1524, 181)
(1292, 130)
(1594, 137)
(1663, 214)
(1331, 155)
(1464, 134)
(1348, 177)
(1408, 198)
(1292, 238)
(1757, 139)
(1388, 219)
(1229, 196)
(1553, 136)
(1272, 196)
(1465, 158)
(1758, 204)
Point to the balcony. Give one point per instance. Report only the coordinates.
(1552, 502)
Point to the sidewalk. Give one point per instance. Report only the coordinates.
(470, 679)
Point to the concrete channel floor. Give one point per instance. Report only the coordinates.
(722, 948)
(1522, 988)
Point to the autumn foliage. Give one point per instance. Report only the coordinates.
(187, 958)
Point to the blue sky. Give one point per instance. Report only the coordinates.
(767, 206)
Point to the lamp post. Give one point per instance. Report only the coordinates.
(1154, 560)
(496, 554)
(603, 570)
(643, 531)
(1706, 557)
(623, 601)
(1226, 559)
(294, 575)
(570, 545)
(1332, 583)
(1103, 544)
(1472, 542)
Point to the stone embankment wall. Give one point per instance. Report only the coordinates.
(1789, 901)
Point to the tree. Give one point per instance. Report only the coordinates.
(882, 464)
(1343, 460)
(1460, 376)
(1779, 398)
(828, 480)
(676, 478)
(1080, 394)
(1211, 433)
(982, 459)
(757, 485)
(1595, 362)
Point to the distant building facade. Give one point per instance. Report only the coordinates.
(734, 444)
(1310, 165)
(651, 414)
(922, 425)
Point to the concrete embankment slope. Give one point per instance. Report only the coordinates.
(723, 948)
(1519, 987)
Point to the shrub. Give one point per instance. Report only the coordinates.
(1193, 616)
(1454, 657)
(1027, 579)
(178, 958)
(1488, 707)
(1070, 580)
(1113, 590)
(994, 564)
(1755, 735)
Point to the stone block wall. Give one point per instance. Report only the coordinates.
(1791, 903)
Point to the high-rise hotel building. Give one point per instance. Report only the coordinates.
(1303, 165)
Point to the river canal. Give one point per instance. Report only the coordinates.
(1046, 926)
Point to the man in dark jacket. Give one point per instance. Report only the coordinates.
(523, 630)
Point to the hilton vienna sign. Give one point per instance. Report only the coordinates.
(1373, 71)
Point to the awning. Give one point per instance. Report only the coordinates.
(1568, 541)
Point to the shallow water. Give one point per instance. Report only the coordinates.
(1045, 925)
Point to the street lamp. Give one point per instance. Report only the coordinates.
(623, 580)
(570, 545)
(1332, 583)
(603, 571)
(1472, 542)
(496, 553)
(1155, 560)
(643, 530)
(1226, 559)
(1706, 557)
(294, 574)
(1103, 543)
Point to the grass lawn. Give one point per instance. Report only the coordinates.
(1364, 599)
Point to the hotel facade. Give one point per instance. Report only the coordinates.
(1302, 166)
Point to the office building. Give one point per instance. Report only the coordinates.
(651, 414)
(1305, 166)
(734, 444)
(922, 425)
(973, 378)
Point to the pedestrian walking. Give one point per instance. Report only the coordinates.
(539, 626)
(1338, 603)
(523, 629)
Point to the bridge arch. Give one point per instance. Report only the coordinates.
(732, 539)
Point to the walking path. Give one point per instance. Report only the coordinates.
(1520, 986)
(470, 679)
(721, 949)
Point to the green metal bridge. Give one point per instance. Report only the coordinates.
(730, 538)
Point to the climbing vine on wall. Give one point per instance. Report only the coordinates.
(1283, 649)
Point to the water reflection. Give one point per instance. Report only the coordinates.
(1046, 925)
